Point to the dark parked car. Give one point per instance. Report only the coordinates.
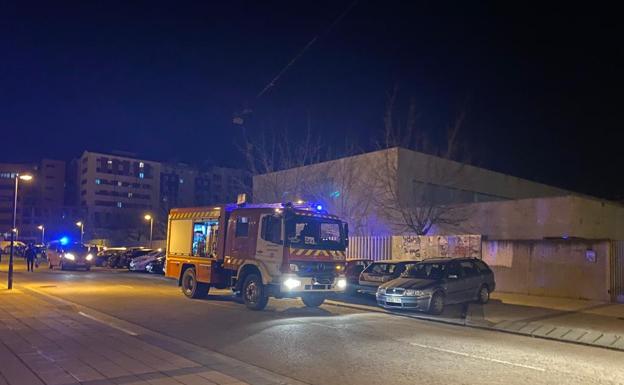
(378, 273)
(103, 257)
(434, 283)
(353, 269)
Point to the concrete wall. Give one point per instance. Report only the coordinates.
(355, 188)
(467, 183)
(550, 268)
(539, 218)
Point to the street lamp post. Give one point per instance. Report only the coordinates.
(14, 229)
(81, 225)
(42, 228)
(151, 221)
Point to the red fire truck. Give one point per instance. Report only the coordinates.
(258, 250)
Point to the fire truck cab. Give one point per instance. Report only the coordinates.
(257, 250)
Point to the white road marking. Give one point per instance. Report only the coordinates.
(108, 323)
(478, 357)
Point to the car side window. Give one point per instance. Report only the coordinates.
(470, 270)
(453, 268)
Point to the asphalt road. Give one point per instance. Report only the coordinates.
(331, 345)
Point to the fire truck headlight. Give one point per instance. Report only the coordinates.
(292, 283)
(89, 257)
(341, 283)
(69, 256)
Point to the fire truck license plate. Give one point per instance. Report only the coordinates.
(393, 299)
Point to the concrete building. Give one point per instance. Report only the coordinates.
(538, 239)
(116, 191)
(358, 188)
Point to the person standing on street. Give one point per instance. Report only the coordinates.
(30, 255)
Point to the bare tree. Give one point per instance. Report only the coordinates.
(272, 152)
(423, 203)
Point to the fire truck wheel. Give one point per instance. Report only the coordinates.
(313, 300)
(191, 288)
(254, 293)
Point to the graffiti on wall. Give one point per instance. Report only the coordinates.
(437, 246)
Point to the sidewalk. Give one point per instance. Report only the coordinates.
(580, 321)
(592, 323)
(43, 341)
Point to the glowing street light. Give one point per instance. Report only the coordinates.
(17, 177)
(42, 228)
(81, 225)
(149, 218)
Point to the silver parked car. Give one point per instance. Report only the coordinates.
(431, 284)
(143, 262)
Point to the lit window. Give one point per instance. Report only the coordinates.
(141, 175)
(181, 180)
(119, 204)
(110, 162)
(129, 195)
(119, 184)
(141, 164)
(98, 181)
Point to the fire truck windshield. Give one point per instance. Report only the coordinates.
(315, 233)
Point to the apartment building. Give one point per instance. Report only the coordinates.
(116, 190)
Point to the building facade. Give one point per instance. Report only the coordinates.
(116, 191)
(373, 191)
(41, 201)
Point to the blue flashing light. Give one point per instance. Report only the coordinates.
(319, 207)
(64, 241)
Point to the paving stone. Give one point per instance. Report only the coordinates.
(503, 324)
(530, 328)
(218, 377)
(193, 379)
(574, 335)
(606, 340)
(543, 330)
(590, 337)
(619, 344)
(558, 332)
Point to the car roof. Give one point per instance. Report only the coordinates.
(444, 260)
(398, 261)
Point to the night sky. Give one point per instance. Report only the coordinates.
(542, 84)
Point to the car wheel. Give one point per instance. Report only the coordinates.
(436, 306)
(313, 300)
(191, 288)
(254, 293)
(484, 295)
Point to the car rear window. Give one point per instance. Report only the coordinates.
(482, 266)
(381, 268)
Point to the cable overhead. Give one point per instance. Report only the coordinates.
(337, 20)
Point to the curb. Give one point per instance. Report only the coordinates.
(617, 339)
